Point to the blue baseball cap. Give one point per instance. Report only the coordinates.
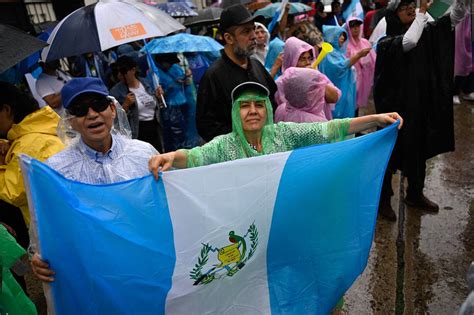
(78, 86)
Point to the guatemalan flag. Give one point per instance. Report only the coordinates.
(286, 233)
(354, 9)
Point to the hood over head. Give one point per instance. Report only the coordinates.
(331, 35)
(294, 47)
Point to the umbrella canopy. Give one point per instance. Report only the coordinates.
(210, 15)
(188, 2)
(296, 8)
(176, 9)
(106, 24)
(182, 42)
(16, 45)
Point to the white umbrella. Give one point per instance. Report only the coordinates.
(106, 24)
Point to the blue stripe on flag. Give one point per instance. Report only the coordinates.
(354, 9)
(323, 222)
(121, 249)
(274, 21)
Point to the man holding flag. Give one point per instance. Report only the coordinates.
(99, 157)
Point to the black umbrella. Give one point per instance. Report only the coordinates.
(210, 15)
(16, 45)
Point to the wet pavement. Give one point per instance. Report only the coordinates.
(418, 264)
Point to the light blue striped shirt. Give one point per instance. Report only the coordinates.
(125, 160)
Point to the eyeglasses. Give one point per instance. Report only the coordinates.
(80, 109)
(304, 59)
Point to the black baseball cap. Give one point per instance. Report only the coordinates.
(246, 86)
(236, 15)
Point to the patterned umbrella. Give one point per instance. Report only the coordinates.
(296, 8)
(182, 42)
(177, 9)
(106, 24)
(210, 15)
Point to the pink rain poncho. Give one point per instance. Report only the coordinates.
(315, 105)
(365, 67)
(304, 89)
(463, 63)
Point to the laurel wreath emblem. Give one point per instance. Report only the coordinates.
(196, 273)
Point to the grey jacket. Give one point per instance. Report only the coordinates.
(120, 91)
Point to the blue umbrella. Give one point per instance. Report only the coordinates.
(296, 8)
(182, 42)
(177, 9)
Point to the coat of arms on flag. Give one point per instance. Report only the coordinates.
(231, 258)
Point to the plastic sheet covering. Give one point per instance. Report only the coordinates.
(69, 136)
(281, 233)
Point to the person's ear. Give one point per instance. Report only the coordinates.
(228, 38)
(7, 109)
(113, 109)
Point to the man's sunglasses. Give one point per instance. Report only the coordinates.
(80, 109)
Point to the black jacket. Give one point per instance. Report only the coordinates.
(418, 84)
(214, 104)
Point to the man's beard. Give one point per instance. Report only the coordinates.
(244, 52)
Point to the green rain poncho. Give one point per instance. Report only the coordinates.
(281, 137)
(13, 300)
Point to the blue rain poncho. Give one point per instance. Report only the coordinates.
(174, 90)
(337, 68)
(274, 49)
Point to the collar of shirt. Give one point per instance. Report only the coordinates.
(100, 157)
(230, 62)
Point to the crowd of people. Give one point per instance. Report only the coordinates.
(273, 88)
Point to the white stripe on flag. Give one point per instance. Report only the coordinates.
(238, 209)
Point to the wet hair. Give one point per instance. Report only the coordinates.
(20, 103)
(345, 35)
(320, 7)
(170, 58)
(125, 63)
(354, 23)
(395, 27)
(335, 3)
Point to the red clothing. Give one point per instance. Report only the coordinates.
(368, 28)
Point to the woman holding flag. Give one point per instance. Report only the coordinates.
(255, 134)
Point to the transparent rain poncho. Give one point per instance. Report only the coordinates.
(279, 137)
(69, 136)
(126, 159)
